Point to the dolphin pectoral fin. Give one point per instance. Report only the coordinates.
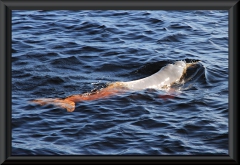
(166, 97)
(65, 104)
(170, 94)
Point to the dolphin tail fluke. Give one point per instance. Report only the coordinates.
(62, 103)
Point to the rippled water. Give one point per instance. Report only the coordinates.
(60, 53)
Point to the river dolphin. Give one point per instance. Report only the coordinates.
(161, 80)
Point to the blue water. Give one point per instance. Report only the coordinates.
(56, 54)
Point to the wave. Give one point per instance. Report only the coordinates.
(176, 37)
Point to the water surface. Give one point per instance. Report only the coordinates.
(60, 53)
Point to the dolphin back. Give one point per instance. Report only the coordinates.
(163, 79)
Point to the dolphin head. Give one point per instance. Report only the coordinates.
(180, 64)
